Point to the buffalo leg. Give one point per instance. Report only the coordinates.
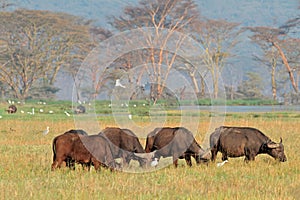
(56, 164)
(224, 156)
(86, 166)
(97, 165)
(214, 152)
(188, 160)
(70, 163)
(248, 155)
(175, 162)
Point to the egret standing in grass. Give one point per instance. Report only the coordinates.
(154, 163)
(222, 163)
(67, 113)
(45, 132)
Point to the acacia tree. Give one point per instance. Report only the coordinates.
(218, 38)
(161, 15)
(277, 38)
(252, 87)
(270, 59)
(36, 44)
(96, 35)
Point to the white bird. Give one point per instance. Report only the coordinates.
(9, 101)
(45, 132)
(222, 163)
(51, 111)
(32, 111)
(22, 111)
(154, 162)
(130, 116)
(41, 110)
(118, 84)
(67, 114)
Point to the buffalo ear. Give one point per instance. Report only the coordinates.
(280, 140)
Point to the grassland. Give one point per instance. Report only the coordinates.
(26, 157)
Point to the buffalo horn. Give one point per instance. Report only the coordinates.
(273, 145)
(145, 155)
(206, 155)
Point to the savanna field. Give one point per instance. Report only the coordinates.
(26, 158)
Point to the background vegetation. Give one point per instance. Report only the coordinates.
(39, 46)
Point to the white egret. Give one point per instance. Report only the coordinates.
(222, 163)
(118, 84)
(154, 163)
(67, 114)
(45, 132)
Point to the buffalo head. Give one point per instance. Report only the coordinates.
(276, 150)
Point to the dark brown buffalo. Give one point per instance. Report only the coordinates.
(214, 137)
(62, 146)
(245, 141)
(93, 150)
(124, 144)
(176, 142)
(12, 109)
(85, 150)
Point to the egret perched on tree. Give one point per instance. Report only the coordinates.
(119, 84)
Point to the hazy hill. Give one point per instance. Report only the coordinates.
(250, 13)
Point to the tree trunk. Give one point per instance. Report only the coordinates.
(202, 86)
(196, 88)
(286, 64)
(216, 83)
(274, 89)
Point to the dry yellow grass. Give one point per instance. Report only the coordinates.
(26, 157)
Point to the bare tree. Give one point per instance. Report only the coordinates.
(36, 45)
(269, 59)
(218, 38)
(276, 37)
(96, 35)
(161, 15)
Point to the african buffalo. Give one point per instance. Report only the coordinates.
(12, 109)
(62, 146)
(124, 144)
(87, 150)
(177, 142)
(245, 141)
(214, 137)
(93, 150)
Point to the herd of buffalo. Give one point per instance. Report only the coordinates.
(76, 146)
